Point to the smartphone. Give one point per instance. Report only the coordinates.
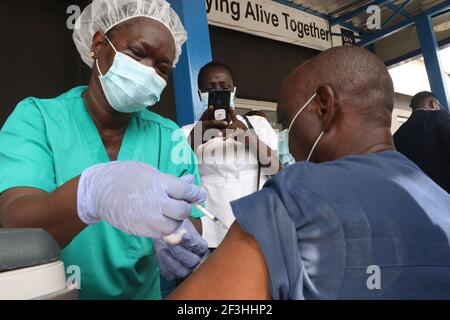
(220, 100)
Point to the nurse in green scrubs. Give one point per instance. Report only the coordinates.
(95, 168)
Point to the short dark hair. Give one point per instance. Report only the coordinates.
(214, 64)
(421, 99)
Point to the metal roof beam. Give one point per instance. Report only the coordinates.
(349, 15)
(395, 8)
(301, 7)
(434, 11)
(353, 28)
(399, 11)
(433, 64)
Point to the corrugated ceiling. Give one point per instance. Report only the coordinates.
(338, 8)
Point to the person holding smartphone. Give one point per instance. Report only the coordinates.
(236, 154)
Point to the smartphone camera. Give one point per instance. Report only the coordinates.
(220, 100)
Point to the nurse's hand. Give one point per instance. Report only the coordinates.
(180, 253)
(136, 198)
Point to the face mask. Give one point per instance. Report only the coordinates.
(129, 86)
(284, 155)
(233, 98)
(284, 139)
(204, 99)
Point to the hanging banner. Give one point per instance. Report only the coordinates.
(271, 20)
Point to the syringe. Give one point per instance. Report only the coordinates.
(208, 214)
(176, 237)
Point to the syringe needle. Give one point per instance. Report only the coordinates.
(207, 213)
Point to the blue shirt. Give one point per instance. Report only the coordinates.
(322, 228)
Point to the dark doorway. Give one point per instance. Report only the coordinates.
(38, 57)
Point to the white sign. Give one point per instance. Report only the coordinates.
(272, 20)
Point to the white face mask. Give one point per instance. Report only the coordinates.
(284, 143)
(204, 99)
(129, 86)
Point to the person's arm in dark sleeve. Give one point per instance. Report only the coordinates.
(444, 132)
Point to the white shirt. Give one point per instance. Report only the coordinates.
(228, 172)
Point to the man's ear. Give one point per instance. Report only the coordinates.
(98, 44)
(326, 99)
(433, 105)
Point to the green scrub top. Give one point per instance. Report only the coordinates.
(47, 142)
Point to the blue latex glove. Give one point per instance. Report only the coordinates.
(180, 253)
(136, 198)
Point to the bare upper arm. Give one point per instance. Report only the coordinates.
(236, 270)
(7, 197)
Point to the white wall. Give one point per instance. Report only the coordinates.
(402, 111)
